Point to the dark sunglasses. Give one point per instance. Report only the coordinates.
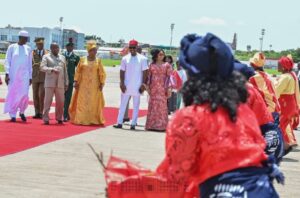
(132, 47)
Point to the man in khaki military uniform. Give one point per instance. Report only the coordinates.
(38, 78)
(56, 82)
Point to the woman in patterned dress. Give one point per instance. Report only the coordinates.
(158, 87)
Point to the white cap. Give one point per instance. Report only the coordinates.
(23, 33)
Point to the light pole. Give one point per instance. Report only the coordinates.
(9, 33)
(262, 39)
(270, 47)
(61, 19)
(248, 48)
(172, 30)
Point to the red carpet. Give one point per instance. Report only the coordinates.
(2, 100)
(16, 137)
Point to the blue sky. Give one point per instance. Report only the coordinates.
(149, 21)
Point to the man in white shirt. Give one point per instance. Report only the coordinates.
(126, 116)
(133, 76)
(18, 70)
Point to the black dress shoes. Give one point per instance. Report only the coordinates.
(126, 120)
(23, 118)
(118, 126)
(38, 116)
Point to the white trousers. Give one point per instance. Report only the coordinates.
(136, 106)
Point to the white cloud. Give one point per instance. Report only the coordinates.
(209, 21)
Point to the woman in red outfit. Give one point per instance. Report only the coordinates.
(269, 129)
(215, 141)
(287, 89)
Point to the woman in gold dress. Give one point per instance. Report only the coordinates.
(87, 102)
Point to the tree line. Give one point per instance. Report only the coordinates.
(270, 54)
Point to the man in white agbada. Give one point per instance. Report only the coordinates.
(18, 69)
(133, 76)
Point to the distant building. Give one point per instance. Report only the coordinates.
(69, 34)
(271, 63)
(113, 45)
(3, 46)
(77, 38)
(10, 34)
(50, 35)
(163, 47)
(80, 41)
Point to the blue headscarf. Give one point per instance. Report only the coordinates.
(244, 69)
(206, 55)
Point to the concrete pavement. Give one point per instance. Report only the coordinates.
(67, 168)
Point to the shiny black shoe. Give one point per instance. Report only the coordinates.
(118, 126)
(66, 120)
(60, 122)
(126, 120)
(288, 150)
(36, 116)
(46, 123)
(23, 118)
(132, 127)
(156, 130)
(13, 120)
